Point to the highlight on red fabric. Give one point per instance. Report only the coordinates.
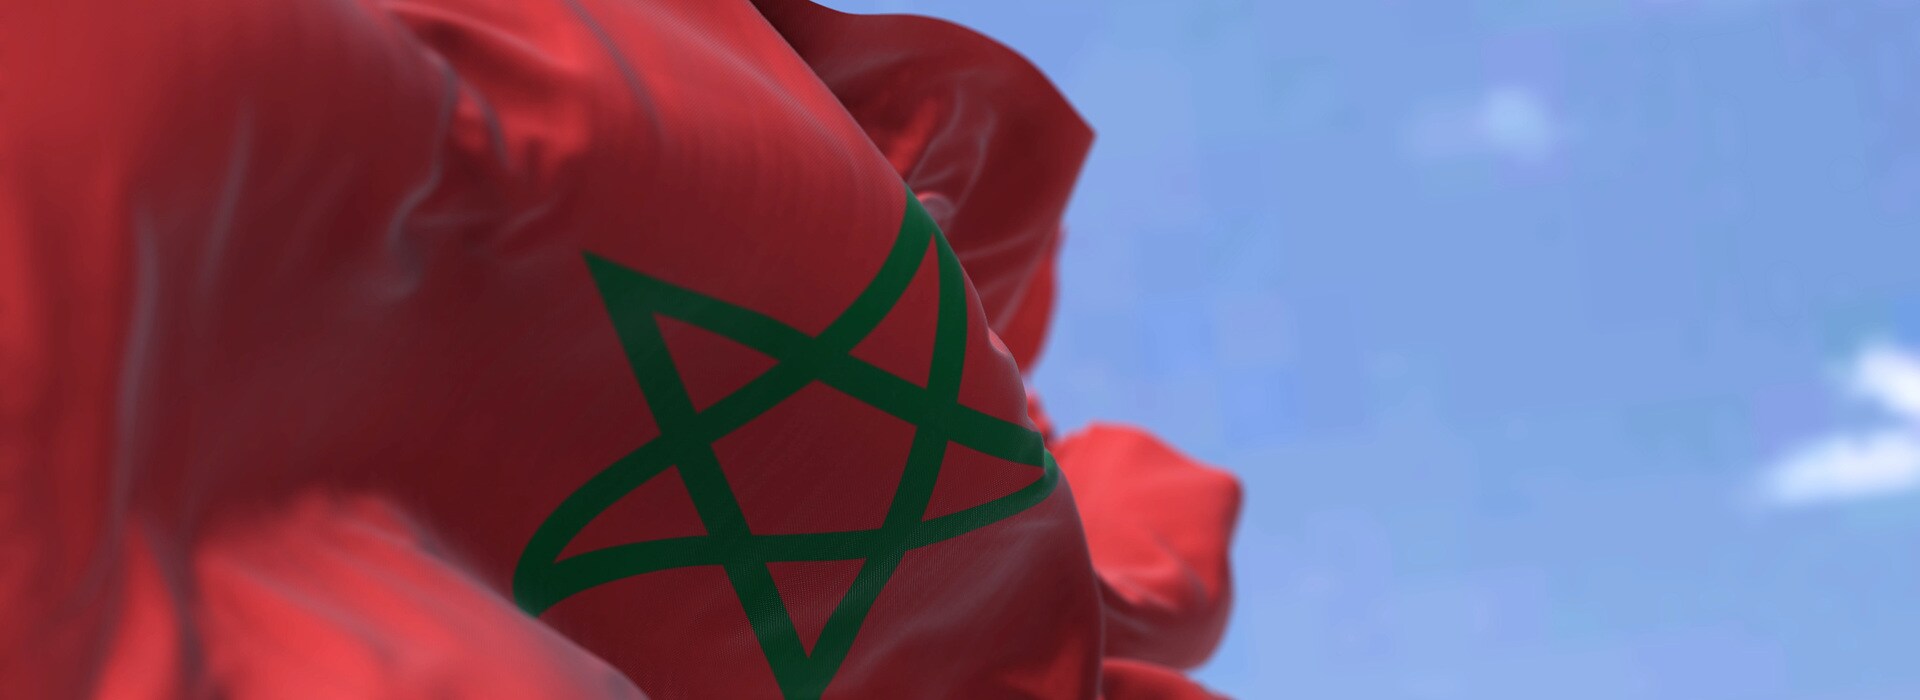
(1127, 679)
(338, 597)
(979, 133)
(1157, 526)
(482, 347)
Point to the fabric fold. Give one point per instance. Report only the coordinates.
(576, 349)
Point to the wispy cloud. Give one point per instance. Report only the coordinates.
(1890, 376)
(1860, 463)
(1508, 121)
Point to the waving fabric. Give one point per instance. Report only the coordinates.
(570, 349)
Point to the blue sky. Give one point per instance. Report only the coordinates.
(1558, 342)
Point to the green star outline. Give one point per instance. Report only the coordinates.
(542, 579)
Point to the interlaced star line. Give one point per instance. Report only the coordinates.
(634, 300)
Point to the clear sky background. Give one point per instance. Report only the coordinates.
(1558, 342)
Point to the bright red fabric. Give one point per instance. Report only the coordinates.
(299, 349)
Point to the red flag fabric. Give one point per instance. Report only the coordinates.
(575, 349)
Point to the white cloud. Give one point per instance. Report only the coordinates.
(1847, 467)
(1508, 121)
(1861, 463)
(1889, 375)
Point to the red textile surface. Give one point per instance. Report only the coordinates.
(330, 331)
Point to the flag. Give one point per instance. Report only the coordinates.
(573, 349)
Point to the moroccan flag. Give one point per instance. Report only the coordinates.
(557, 349)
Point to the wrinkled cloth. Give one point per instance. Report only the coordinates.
(568, 349)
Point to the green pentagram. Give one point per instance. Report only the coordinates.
(686, 439)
